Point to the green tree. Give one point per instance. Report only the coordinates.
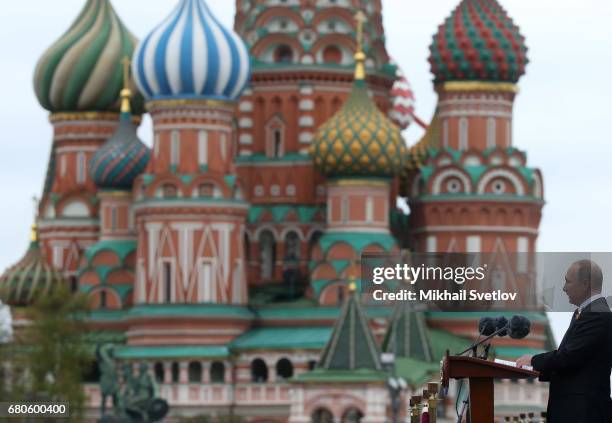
(48, 359)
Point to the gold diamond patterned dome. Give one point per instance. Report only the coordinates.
(359, 140)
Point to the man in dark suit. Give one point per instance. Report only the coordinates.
(579, 370)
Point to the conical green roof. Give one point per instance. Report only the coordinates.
(29, 277)
(408, 334)
(352, 345)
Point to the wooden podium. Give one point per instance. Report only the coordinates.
(480, 374)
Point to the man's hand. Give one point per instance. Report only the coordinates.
(524, 361)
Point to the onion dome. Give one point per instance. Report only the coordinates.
(29, 277)
(359, 140)
(82, 70)
(478, 42)
(191, 55)
(123, 156)
(402, 112)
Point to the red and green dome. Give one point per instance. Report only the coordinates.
(478, 42)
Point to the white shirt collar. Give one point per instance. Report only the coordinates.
(589, 301)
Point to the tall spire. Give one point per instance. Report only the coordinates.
(126, 93)
(360, 56)
(352, 344)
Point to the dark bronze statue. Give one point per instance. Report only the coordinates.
(135, 398)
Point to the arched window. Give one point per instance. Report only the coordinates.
(206, 190)
(312, 364)
(292, 246)
(174, 370)
(267, 246)
(217, 372)
(114, 219)
(194, 372)
(322, 415)
(158, 370)
(259, 371)
(169, 191)
(352, 415)
(283, 54)
(332, 54)
(284, 368)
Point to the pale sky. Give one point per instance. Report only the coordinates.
(561, 114)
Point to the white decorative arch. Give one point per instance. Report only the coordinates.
(75, 208)
(500, 173)
(295, 229)
(266, 227)
(437, 182)
(538, 190)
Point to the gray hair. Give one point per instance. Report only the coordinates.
(589, 271)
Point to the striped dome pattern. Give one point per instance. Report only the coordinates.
(121, 159)
(29, 277)
(82, 70)
(479, 41)
(191, 55)
(402, 111)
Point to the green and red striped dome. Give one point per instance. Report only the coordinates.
(478, 42)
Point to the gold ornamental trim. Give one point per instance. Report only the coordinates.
(208, 102)
(89, 116)
(64, 116)
(359, 183)
(114, 194)
(480, 86)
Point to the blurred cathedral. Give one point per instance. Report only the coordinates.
(226, 255)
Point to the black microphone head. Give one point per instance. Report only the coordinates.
(501, 323)
(518, 327)
(486, 326)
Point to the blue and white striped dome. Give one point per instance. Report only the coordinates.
(191, 55)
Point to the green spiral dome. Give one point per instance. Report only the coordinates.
(82, 71)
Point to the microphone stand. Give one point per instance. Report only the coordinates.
(483, 340)
(474, 349)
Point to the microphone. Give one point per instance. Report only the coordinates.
(518, 327)
(486, 326)
(501, 323)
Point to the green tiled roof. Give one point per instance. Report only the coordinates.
(416, 372)
(105, 337)
(357, 240)
(283, 338)
(262, 158)
(352, 345)
(187, 310)
(408, 335)
(442, 340)
(342, 376)
(187, 351)
(315, 313)
(121, 248)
